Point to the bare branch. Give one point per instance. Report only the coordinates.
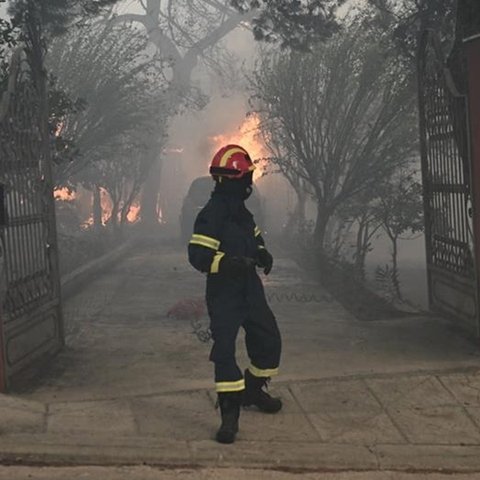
(128, 17)
(220, 32)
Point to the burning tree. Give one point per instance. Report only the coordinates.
(189, 32)
(121, 178)
(120, 122)
(344, 115)
(119, 83)
(184, 33)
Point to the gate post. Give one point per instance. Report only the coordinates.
(3, 366)
(3, 374)
(3, 291)
(473, 58)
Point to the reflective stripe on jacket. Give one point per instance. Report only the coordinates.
(223, 227)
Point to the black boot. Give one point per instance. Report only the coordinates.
(230, 409)
(255, 395)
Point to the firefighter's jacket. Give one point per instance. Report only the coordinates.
(226, 227)
(223, 227)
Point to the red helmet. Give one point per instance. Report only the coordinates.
(231, 162)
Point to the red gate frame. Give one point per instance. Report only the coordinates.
(3, 375)
(3, 364)
(473, 57)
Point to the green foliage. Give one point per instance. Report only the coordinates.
(8, 35)
(62, 106)
(400, 207)
(387, 279)
(117, 89)
(342, 117)
(296, 24)
(399, 210)
(8, 39)
(55, 16)
(46, 18)
(117, 124)
(405, 20)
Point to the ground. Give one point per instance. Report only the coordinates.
(134, 386)
(149, 473)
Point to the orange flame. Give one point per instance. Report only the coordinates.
(64, 194)
(133, 215)
(248, 137)
(106, 204)
(59, 129)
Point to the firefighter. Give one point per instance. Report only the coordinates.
(228, 246)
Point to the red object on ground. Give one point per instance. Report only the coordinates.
(188, 309)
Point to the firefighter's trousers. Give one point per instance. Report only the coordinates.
(234, 303)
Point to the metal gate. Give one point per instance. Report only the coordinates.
(31, 316)
(446, 167)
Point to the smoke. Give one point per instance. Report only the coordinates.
(190, 147)
(192, 131)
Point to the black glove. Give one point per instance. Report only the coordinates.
(264, 260)
(236, 266)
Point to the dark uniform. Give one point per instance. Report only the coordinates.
(225, 228)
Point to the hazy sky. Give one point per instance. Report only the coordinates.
(3, 10)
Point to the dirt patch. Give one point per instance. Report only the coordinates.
(342, 283)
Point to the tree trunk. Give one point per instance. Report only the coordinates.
(300, 208)
(128, 204)
(124, 214)
(361, 249)
(395, 272)
(323, 216)
(125, 210)
(150, 196)
(297, 219)
(115, 211)
(97, 208)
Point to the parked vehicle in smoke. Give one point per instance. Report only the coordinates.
(198, 195)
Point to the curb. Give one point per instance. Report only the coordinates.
(73, 281)
(46, 450)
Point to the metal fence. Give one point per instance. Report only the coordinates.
(31, 316)
(446, 170)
